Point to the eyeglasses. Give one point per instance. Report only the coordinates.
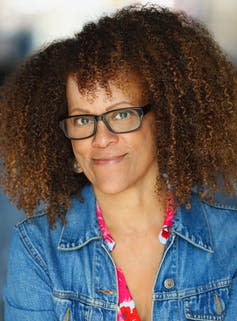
(119, 121)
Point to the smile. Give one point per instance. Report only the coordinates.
(108, 160)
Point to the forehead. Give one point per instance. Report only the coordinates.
(129, 89)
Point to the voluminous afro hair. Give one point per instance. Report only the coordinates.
(184, 74)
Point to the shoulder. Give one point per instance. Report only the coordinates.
(222, 206)
(36, 231)
(40, 219)
(208, 225)
(220, 216)
(221, 210)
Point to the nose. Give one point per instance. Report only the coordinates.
(103, 136)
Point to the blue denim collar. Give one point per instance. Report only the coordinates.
(192, 225)
(82, 226)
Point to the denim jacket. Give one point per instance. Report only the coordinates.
(67, 274)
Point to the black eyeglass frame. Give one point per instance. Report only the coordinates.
(141, 111)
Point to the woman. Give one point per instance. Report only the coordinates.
(147, 103)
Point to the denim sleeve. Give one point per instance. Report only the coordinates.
(27, 292)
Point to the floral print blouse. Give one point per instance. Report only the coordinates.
(127, 310)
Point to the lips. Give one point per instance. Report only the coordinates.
(108, 160)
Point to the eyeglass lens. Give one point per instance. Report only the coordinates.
(118, 121)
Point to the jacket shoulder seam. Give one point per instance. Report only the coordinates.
(31, 249)
(219, 205)
(40, 213)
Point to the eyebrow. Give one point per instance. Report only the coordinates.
(86, 111)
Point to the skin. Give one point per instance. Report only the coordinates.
(114, 163)
(123, 169)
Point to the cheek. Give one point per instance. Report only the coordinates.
(151, 135)
(149, 138)
(74, 148)
(79, 150)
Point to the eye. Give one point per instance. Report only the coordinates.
(81, 120)
(122, 114)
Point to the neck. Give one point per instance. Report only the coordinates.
(135, 210)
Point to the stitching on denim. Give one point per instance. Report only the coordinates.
(219, 205)
(197, 315)
(72, 246)
(208, 225)
(28, 219)
(84, 299)
(94, 260)
(193, 291)
(31, 249)
(194, 243)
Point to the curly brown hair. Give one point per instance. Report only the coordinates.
(185, 76)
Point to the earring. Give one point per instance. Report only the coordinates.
(77, 168)
(166, 179)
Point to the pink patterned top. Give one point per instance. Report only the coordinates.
(127, 310)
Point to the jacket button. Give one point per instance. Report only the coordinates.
(169, 283)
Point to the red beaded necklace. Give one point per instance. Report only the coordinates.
(169, 215)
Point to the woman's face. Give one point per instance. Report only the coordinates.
(114, 162)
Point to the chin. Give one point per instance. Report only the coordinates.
(111, 188)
